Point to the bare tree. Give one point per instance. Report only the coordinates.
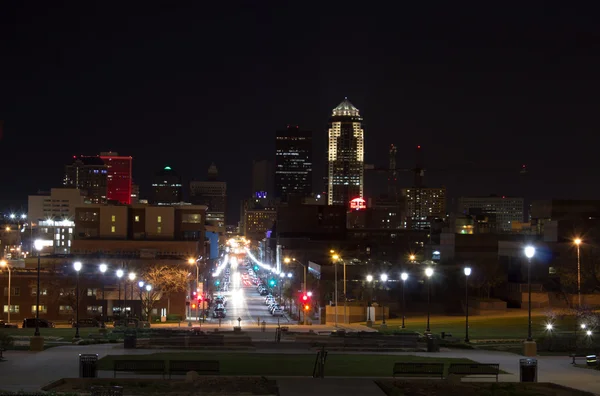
(166, 280)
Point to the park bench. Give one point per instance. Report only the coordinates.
(418, 370)
(199, 366)
(139, 366)
(481, 369)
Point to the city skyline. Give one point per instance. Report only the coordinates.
(470, 100)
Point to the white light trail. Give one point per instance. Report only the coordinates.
(221, 266)
(262, 265)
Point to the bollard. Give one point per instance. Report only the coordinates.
(264, 326)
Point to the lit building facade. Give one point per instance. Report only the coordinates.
(119, 179)
(345, 155)
(424, 205)
(90, 175)
(212, 193)
(507, 210)
(166, 187)
(293, 163)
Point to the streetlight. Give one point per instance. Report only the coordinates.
(335, 258)
(5, 264)
(120, 274)
(369, 279)
(467, 273)
(412, 257)
(404, 277)
(77, 266)
(148, 289)
(577, 242)
(529, 253)
(103, 268)
(191, 261)
(428, 273)
(384, 279)
(131, 277)
(39, 245)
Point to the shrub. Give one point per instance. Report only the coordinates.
(6, 341)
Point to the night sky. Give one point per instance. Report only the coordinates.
(483, 89)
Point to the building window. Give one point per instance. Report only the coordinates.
(159, 219)
(14, 291)
(113, 218)
(158, 229)
(113, 229)
(43, 309)
(13, 309)
(43, 292)
(94, 308)
(137, 219)
(92, 292)
(65, 309)
(191, 218)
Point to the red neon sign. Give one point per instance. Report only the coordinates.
(358, 204)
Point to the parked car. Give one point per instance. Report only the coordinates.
(88, 322)
(129, 322)
(30, 322)
(4, 325)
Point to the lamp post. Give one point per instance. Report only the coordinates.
(5, 264)
(148, 289)
(467, 273)
(404, 277)
(120, 274)
(335, 258)
(103, 268)
(412, 258)
(577, 242)
(191, 261)
(529, 253)
(384, 279)
(39, 245)
(77, 266)
(428, 273)
(141, 285)
(131, 277)
(369, 322)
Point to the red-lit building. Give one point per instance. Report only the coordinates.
(118, 181)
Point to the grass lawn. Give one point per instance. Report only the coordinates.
(289, 364)
(52, 332)
(481, 327)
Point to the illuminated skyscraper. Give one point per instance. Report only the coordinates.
(293, 163)
(118, 180)
(345, 155)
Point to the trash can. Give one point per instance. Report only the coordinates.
(432, 344)
(107, 391)
(130, 340)
(88, 365)
(528, 370)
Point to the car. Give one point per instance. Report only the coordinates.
(30, 322)
(277, 312)
(219, 312)
(264, 292)
(5, 325)
(129, 322)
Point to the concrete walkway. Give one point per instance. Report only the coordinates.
(29, 371)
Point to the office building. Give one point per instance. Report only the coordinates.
(119, 179)
(345, 155)
(293, 163)
(88, 174)
(166, 187)
(263, 177)
(424, 205)
(507, 210)
(135, 194)
(212, 192)
(258, 216)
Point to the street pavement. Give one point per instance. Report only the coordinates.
(29, 371)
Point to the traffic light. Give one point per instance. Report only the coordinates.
(255, 268)
(272, 282)
(193, 306)
(306, 307)
(217, 283)
(304, 298)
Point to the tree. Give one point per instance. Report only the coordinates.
(486, 275)
(165, 280)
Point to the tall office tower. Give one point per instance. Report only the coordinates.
(118, 182)
(89, 174)
(423, 205)
(345, 155)
(263, 178)
(213, 194)
(293, 162)
(508, 210)
(166, 187)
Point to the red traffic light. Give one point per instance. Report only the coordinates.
(304, 297)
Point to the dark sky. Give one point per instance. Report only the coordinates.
(483, 89)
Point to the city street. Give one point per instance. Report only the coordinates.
(244, 301)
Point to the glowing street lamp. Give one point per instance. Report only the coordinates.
(77, 266)
(429, 274)
(467, 271)
(529, 253)
(577, 242)
(404, 277)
